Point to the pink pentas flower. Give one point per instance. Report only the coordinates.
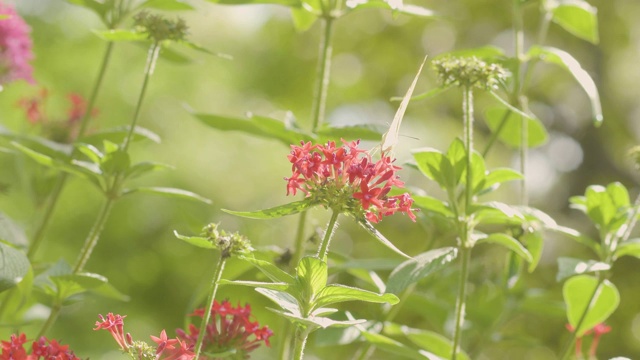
(15, 47)
(346, 179)
(597, 331)
(115, 325)
(42, 348)
(230, 328)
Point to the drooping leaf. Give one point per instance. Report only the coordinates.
(510, 132)
(419, 267)
(14, 266)
(496, 177)
(390, 138)
(257, 284)
(534, 242)
(270, 270)
(509, 243)
(376, 234)
(432, 204)
(169, 192)
(432, 342)
(195, 241)
(303, 19)
(568, 267)
(283, 299)
(569, 63)
(99, 8)
(336, 293)
(577, 17)
(396, 348)
(578, 237)
(118, 134)
(275, 212)
(629, 248)
(142, 168)
(578, 292)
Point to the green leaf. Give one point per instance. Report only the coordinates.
(291, 3)
(578, 237)
(275, 212)
(99, 8)
(11, 232)
(534, 242)
(578, 292)
(202, 49)
(170, 192)
(14, 266)
(629, 248)
(432, 342)
(109, 291)
(91, 152)
(332, 294)
(568, 267)
(566, 61)
(396, 348)
(350, 132)
(509, 243)
(142, 168)
(257, 284)
(395, 6)
(376, 234)
(432, 204)
(311, 275)
(511, 130)
(272, 271)
(390, 138)
(195, 241)
(282, 299)
(577, 17)
(167, 5)
(302, 18)
(256, 125)
(116, 162)
(430, 161)
(118, 134)
(498, 176)
(419, 267)
(121, 35)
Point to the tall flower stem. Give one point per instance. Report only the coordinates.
(53, 316)
(323, 72)
(466, 229)
(207, 310)
(38, 236)
(301, 342)
(516, 97)
(323, 250)
(93, 236)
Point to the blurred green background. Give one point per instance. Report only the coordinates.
(375, 58)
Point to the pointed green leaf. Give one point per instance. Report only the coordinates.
(311, 274)
(121, 35)
(303, 19)
(376, 234)
(577, 17)
(272, 271)
(432, 204)
(568, 267)
(419, 267)
(118, 134)
(170, 192)
(257, 284)
(11, 232)
(510, 243)
(116, 162)
(167, 5)
(14, 266)
(430, 161)
(350, 132)
(396, 348)
(578, 237)
(498, 176)
(534, 242)
(432, 342)
(99, 8)
(569, 63)
(629, 248)
(91, 152)
(578, 292)
(340, 293)
(275, 212)
(202, 49)
(390, 138)
(283, 299)
(512, 128)
(110, 292)
(195, 241)
(142, 168)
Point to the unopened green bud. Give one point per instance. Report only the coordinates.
(469, 72)
(159, 28)
(140, 350)
(228, 244)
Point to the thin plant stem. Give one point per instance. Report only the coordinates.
(465, 258)
(517, 94)
(301, 342)
(207, 311)
(323, 73)
(36, 241)
(324, 246)
(572, 339)
(53, 315)
(152, 58)
(94, 235)
(467, 110)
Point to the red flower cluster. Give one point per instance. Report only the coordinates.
(230, 328)
(61, 131)
(597, 331)
(167, 349)
(41, 348)
(346, 179)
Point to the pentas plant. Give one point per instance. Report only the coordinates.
(41, 348)
(597, 332)
(15, 47)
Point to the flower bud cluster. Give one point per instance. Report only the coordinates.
(159, 28)
(229, 244)
(469, 72)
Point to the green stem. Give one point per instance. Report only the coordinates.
(36, 241)
(569, 345)
(152, 57)
(53, 315)
(324, 246)
(323, 73)
(94, 235)
(301, 342)
(207, 310)
(467, 111)
(465, 258)
(517, 94)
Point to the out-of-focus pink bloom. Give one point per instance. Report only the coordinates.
(115, 325)
(42, 348)
(15, 47)
(346, 179)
